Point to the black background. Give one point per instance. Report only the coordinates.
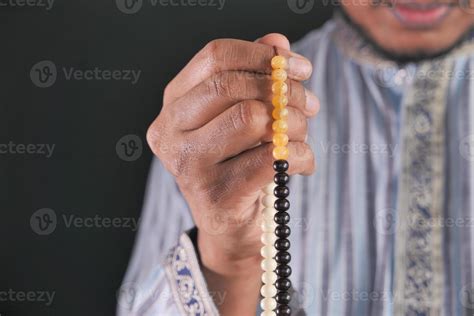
(84, 120)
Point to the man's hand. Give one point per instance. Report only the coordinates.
(214, 135)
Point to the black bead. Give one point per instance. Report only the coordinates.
(283, 271)
(282, 244)
(282, 205)
(282, 218)
(280, 165)
(283, 310)
(283, 284)
(283, 257)
(281, 191)
(282, 231)
(283, 297)
(281, 178)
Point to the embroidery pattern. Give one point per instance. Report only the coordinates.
(419, 265)
(186, 289)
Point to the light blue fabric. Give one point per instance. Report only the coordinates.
(344, 216)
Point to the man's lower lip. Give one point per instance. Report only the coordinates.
(420, 17)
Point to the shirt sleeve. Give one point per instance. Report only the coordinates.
(175, 287)
(160, 281)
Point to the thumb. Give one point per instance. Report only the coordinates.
(275, 39)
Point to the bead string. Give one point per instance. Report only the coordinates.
(275, 232)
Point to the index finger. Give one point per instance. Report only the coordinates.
(231, 54)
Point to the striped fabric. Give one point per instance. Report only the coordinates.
(345, 223)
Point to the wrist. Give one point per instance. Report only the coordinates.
(234, 276)
(229, 256)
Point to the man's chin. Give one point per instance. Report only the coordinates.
(401, 54)
(414, 54)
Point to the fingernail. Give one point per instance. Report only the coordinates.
(312, 102)
(300, 67)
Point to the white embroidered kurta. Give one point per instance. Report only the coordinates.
(385, 225)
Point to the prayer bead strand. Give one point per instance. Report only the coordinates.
(275, 278)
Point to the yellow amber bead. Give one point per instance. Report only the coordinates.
(280, 101)
(279, 75)
(279, 62)
(279, 87)
(280, 126)
(281, 153)
(280, 139)
(280, 113)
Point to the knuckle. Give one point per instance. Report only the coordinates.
(296, 92)
(302, 151)
(153, 137)
(174, 155)
(303, 158)
(227, 85)
(167, 91)
(213, 49)
(302, 122)
(177, 164)
(221, 85)
(244, 116)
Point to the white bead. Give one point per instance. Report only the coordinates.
(268, 226)
(268, 201)
(268, 313)
(268, 251)
(269, 213)
(268, 189)
(269, 277)
(268, 304)
(268, 264)
(268, 290)
(268, 238)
